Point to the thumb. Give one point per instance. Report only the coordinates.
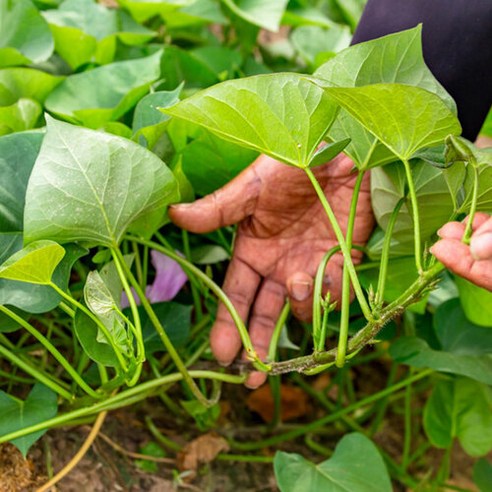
(228, 205)
(481, 241)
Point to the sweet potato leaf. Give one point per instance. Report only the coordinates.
(262, 14)
(91, 186)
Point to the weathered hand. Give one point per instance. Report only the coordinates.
(282, 236)
(473, 262)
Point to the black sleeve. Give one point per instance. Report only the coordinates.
(457, 45)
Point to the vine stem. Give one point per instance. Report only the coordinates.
(272, 348)
(95, 319)
(344, 315)
(243, 332)
(78, 456)
(53, 351)
(35, 373)
(121, 399)
(416, 216)
(163, 336)
(366, 334)
(348, 263)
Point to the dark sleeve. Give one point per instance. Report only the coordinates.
(457, 46)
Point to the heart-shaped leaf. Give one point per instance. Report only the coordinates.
(396, 58)
(120, 85)
(141, 10)
(356, 465)
(460, 409)
(40, 405)
(404, 118)
(281, 115)
(24, 35)
(33, 264)
(91, 186)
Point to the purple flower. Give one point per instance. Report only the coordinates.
(169, 279)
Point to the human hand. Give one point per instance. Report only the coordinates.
(474, 261)
(282, 236)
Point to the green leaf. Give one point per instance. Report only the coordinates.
(24, 35)
(460, 409)
(355, 465)
(466, 348)
(141, 10)
(40, 405)
(20, 116)
(34, 264)
(482, 475)
(389, 185)
(404, 118)
(35, 298)
(209, 254)
(205, 417)
(281, 115)
(104, 305)
(263, 14)
(148, 122)
(120, 85)
(179, 65)
(316, 44)
(87, 334)
(201, 11)
(394, 58)
(210, 162)
(476, 302)
(104, 186)
(17, 155)
(94, 29)
(18, 83)
(328, 152)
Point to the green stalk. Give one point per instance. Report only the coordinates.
(243, 332)
(94, 318)
(32, 371)
(163, 336)
(319, 339)
(407, 439)
(473, 208)
(53, 351)
(272, 348)
(197, 303)
(343, 245)
(416, 217)
(118, 259)
(119, 400)
(332, 417)
(344, 315)
(383, 269)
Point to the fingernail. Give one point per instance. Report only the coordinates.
(181, 205)
(223, 363)
(439, 232)
(300, 290)
(481, 246)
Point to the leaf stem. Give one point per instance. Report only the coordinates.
(383, 268)
(279, 325)
(343, 245)
(35, 373)
(96, 320)
(243, 332)
(194, 291)
(416, 216)
(53, 351)
(473, 208)
(345, 312)
(163, 336)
